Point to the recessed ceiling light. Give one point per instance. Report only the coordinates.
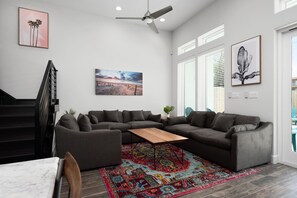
(162, 19)
(118, 8)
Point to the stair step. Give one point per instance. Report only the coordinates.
(17, 158)
(21, 134)
(16, 109)
(17, 115)
(17, 127)
(16, 121)
(13, 149)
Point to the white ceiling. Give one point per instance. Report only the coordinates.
(183, 10)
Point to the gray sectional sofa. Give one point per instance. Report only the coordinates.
(230, 140)
(124, 120)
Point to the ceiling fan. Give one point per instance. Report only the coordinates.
(149, 18)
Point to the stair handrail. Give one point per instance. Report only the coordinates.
(46, 99)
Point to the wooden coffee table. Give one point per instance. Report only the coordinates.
(156, 137)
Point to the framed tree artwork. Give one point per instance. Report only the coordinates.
(33, 28)
(246, 62)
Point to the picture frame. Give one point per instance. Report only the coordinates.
(33, 28)
(246, 62)
(116, 82)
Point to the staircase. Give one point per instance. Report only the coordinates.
(27, 125)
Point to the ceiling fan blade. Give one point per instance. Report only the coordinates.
(153, 27)
(161, 12)
(134, 18)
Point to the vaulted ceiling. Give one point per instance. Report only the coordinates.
(183, 10)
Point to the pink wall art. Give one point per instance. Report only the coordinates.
(33, 28)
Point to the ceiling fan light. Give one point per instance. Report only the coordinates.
(162, 20)
(148, 20)
(118, 8)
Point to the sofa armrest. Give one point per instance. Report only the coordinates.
(92, 149)
(251, 148)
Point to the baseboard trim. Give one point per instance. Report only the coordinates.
(289, 164)
(274, 159)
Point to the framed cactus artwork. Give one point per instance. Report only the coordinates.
(246, 62)
(33, 28)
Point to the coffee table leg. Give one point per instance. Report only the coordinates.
(154, 156)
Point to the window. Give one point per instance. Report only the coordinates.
(186, 47)
(289, 3)
(211, 65)
(186, 87)
(284, 4)
(212, 35)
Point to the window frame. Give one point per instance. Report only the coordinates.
(211, 35)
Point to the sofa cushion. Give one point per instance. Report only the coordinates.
(145, 124)
(239, 128)
(69, 122)
(155, 118)
(211, 137)
(176, 120)
(100, 126)
(210, 115)
(190, 116)
(146, 114)
(98, 114)
(223, 122)
(111, 116)
(137, 116)
(114, 125)
(84, 122)
(126, 116)
(243, 119)
(198, 119)
(181, 129)
(93, 119)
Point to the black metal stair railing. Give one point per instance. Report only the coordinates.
(45, 112)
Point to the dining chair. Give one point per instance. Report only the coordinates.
(72, 173)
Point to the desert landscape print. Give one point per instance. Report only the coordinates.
(111, 82)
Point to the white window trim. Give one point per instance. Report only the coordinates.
(183, 48)
(202, 38)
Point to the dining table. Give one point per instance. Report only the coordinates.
(29, 179)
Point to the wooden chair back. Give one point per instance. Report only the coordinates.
(72, 173)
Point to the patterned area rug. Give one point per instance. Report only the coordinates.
(173, 177)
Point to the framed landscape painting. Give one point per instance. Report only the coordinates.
(33, 28)
(246, 62)
(111, 82)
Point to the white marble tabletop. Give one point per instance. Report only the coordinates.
(35, 178)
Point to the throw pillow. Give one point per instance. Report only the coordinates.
(126, 116)
(176, 120)
(111, 116)
(137, 115)
(69, 122)
(239, 128)
(146, 114)
(198, 119)
(223, 122)
(93, 119)
(155, 118)
(84, 123)
(99, 115)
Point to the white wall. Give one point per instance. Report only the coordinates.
(79, 43)
(243, 20)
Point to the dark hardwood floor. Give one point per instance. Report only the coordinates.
(274, 180)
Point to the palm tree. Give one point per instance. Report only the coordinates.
(38, 23)
(31, 27)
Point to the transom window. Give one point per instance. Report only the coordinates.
(284, 4)
(211, 35)
(186, 47)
